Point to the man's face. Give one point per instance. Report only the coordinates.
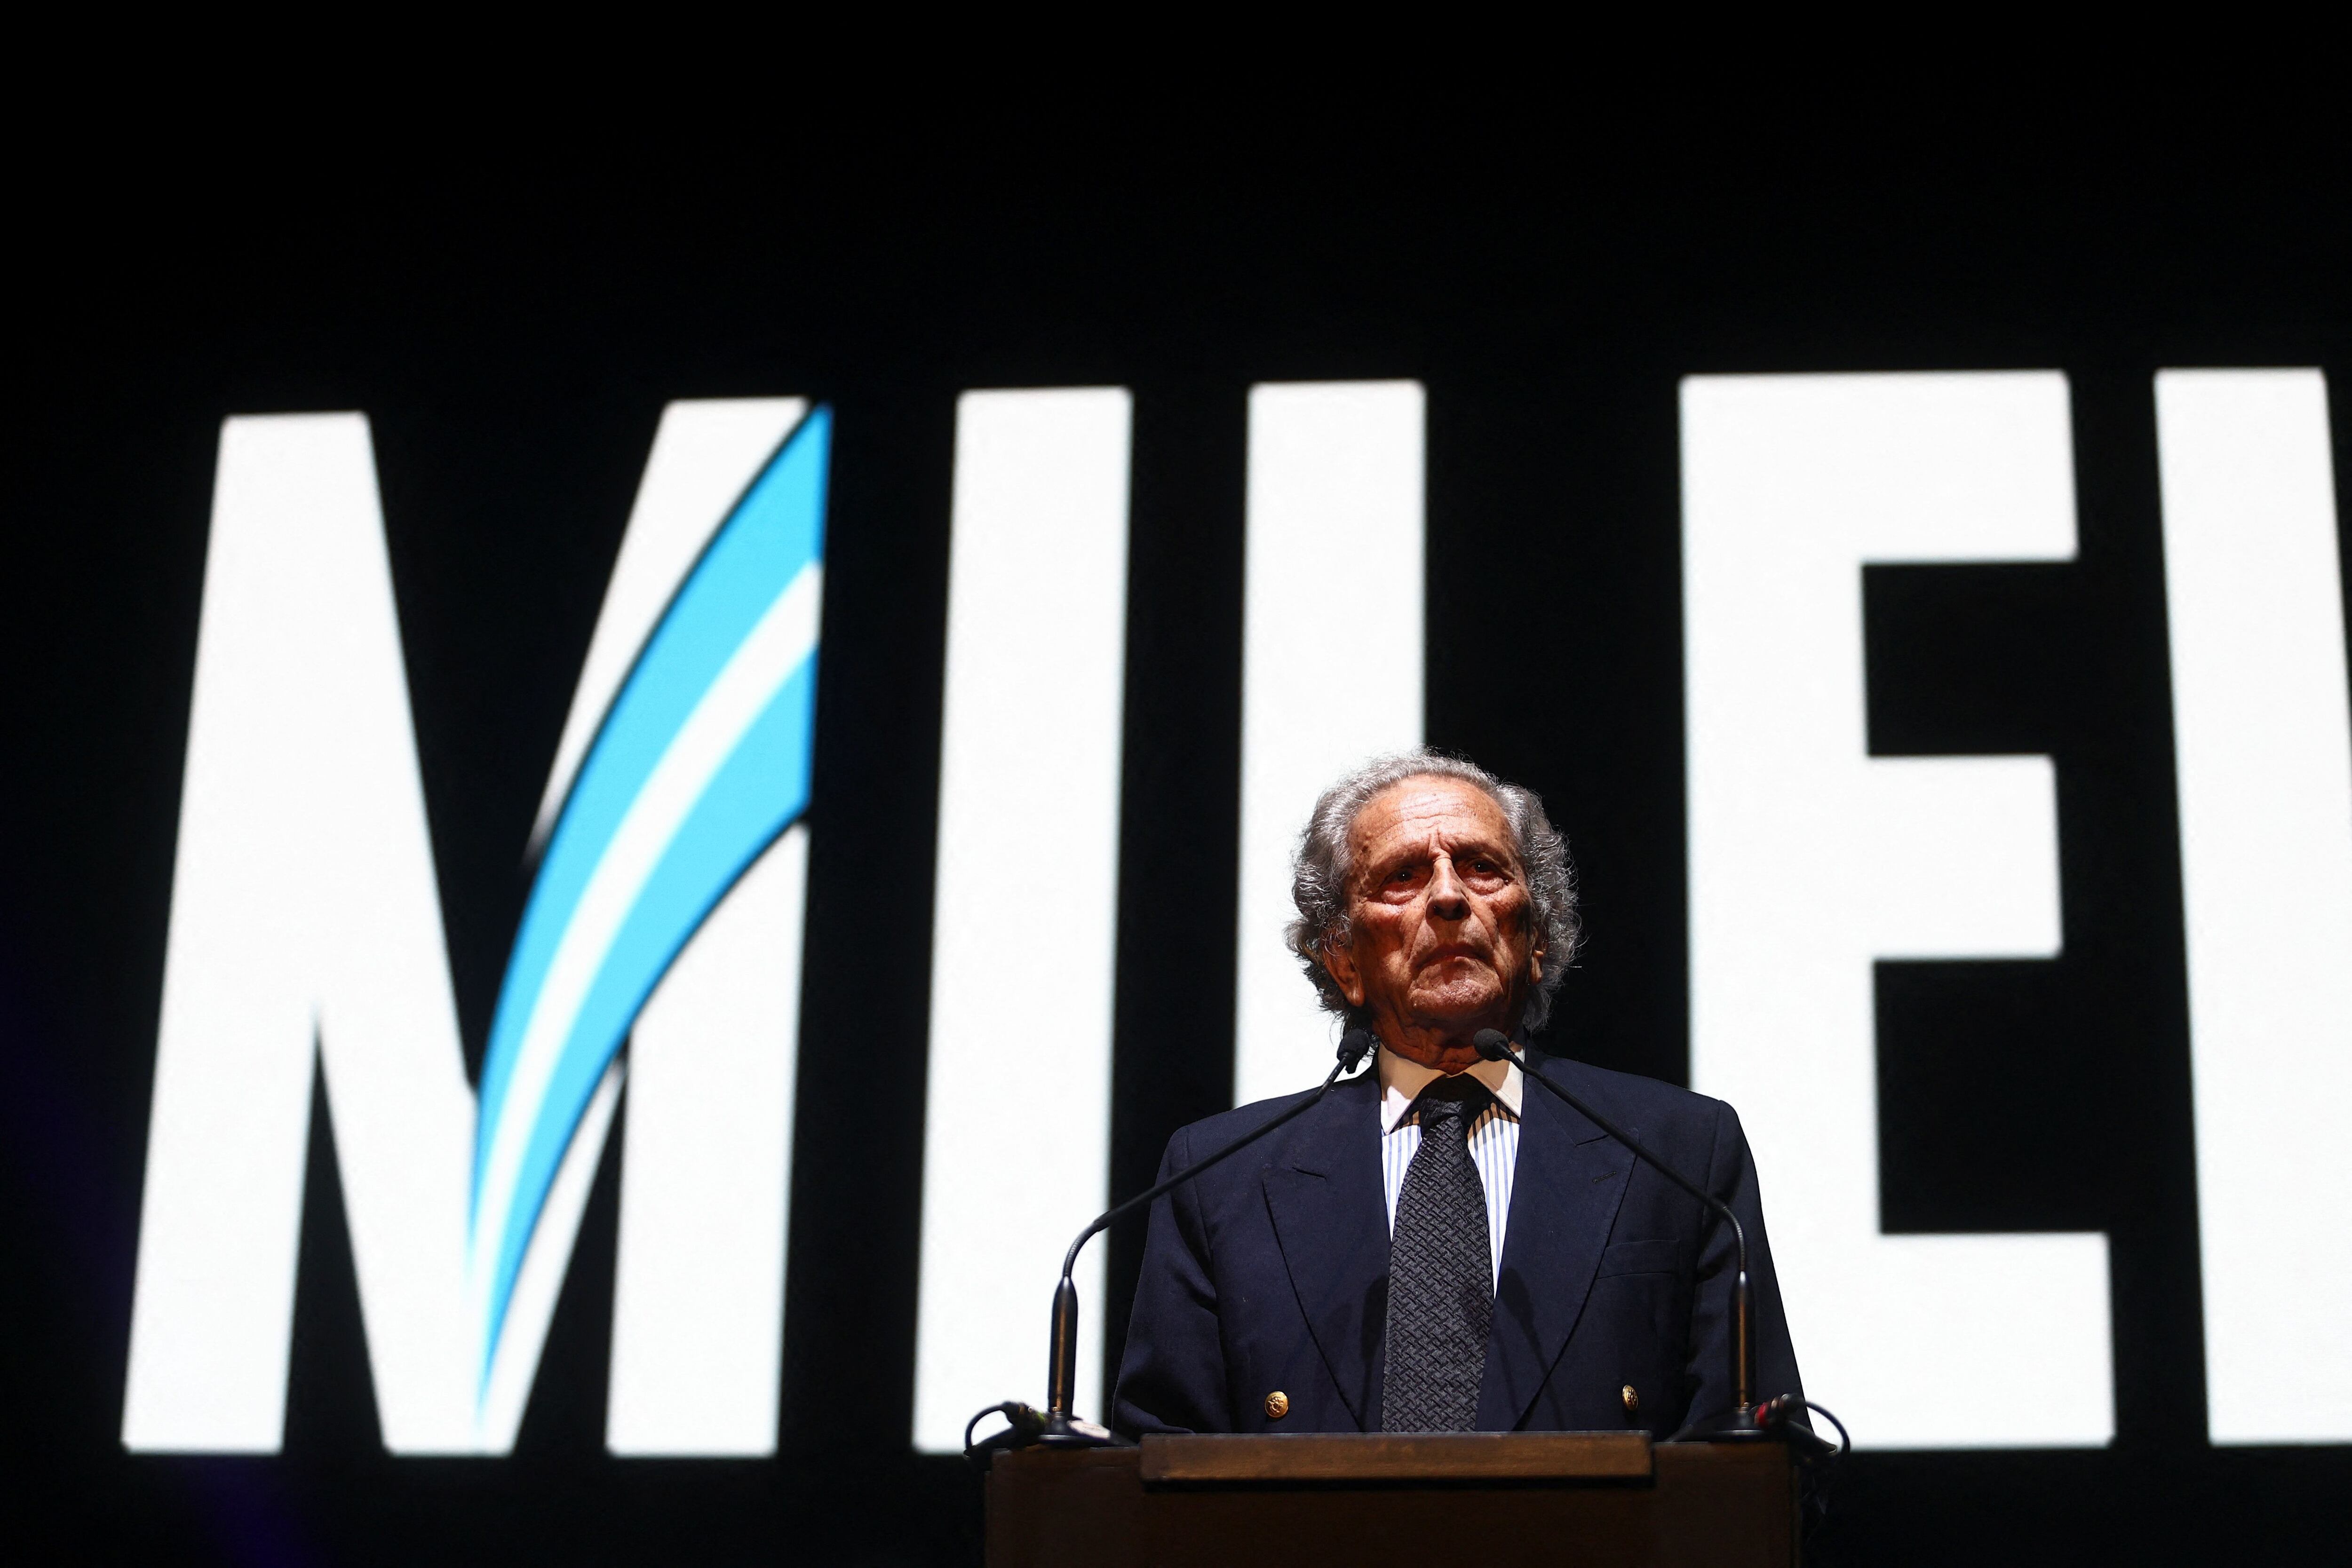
(1441, 946)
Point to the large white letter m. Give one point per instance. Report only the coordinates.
(306, 924)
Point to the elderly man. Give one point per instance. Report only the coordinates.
(1434, 1247)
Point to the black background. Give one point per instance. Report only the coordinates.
(512, 323)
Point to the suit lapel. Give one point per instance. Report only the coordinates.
(1331, 1222)
(1569, 1181)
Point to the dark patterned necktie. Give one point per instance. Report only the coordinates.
(1441, 1272)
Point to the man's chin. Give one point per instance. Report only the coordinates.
(1464, 1010)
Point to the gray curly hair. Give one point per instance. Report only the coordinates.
(1322, 868)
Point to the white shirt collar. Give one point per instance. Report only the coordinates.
(1401, 1082)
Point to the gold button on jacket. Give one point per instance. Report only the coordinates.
(1277, 1404)
(1632, 1401)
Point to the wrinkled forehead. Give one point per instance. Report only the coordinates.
(1415, 814)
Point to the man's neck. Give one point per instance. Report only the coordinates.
(1443, 1044)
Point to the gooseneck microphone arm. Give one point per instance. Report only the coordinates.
(1061, 1369)
(1494, 1047)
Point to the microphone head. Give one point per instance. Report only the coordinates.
(1354, 1045)
(1492, 1045)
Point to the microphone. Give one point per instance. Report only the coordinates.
(1743, 1424)
(1055, 1425)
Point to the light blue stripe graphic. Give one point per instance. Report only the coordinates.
(774, 534)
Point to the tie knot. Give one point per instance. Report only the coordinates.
(1452, 1103)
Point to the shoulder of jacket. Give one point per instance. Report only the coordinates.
(1636, 1098)
(1211, 1133)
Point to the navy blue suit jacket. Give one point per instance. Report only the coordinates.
(1270, 1271)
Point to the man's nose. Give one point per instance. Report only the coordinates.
(1446, 899)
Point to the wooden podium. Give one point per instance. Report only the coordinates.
(1497, 1500)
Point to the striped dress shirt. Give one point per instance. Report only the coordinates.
(1493, 1136)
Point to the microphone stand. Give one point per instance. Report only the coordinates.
(1055, 1425)
(1743, 1426)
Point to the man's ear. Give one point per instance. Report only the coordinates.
(1535, 964)
(1340, 963)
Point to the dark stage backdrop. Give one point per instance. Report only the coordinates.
(513, 337)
